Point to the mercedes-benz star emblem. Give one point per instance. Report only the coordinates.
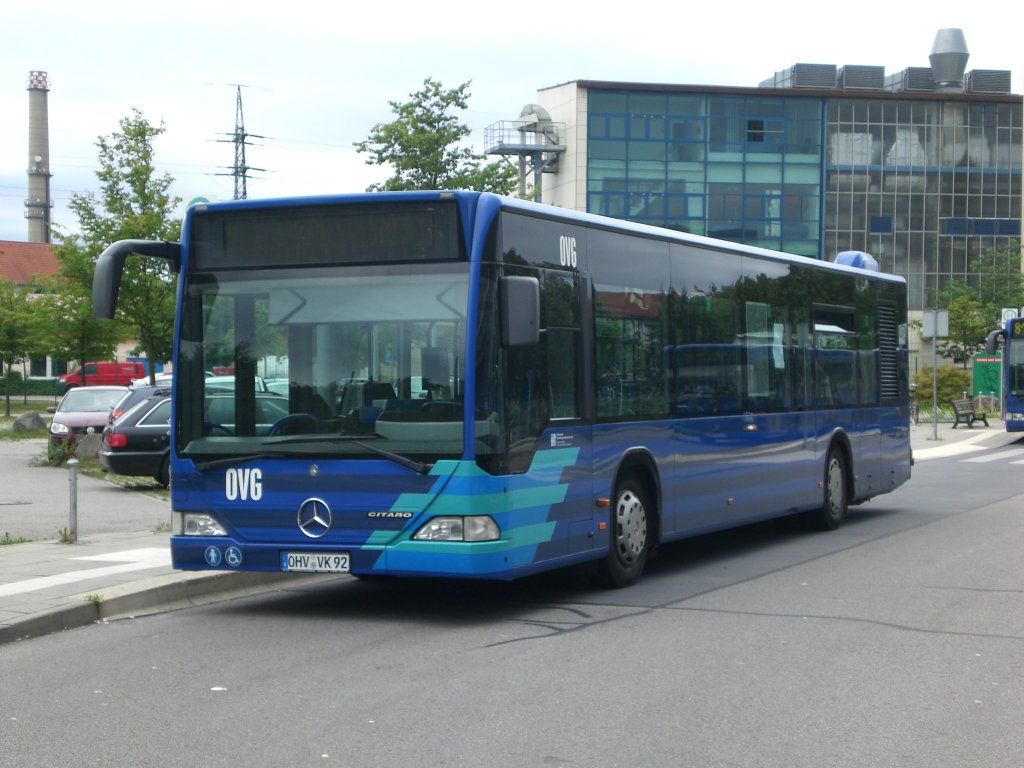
(314, 518)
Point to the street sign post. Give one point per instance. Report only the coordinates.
(934, 326)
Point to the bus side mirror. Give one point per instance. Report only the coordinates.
(519, 306)
(992, 340)
(106, 281)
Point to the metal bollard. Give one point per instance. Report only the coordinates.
(73, 500)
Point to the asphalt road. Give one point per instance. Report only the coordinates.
(896, 641)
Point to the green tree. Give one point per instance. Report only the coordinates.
(999, 279)
(134, 203)
(422, 145)
(17, 332)
(968, 326)
(950, 384)
(67, 328)
(995, 282)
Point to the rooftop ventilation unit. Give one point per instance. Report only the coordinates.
(911, 79)
(988, 81)
(949, 59)
(803, 76)
(861, 77)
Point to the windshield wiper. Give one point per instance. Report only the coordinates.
(420, 467)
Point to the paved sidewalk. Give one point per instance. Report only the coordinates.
(931, 443)
(47, 586)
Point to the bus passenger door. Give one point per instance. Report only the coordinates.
(549, 437)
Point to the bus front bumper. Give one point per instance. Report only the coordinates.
(478, 560)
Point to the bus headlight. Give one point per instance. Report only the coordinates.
(469, 528)
(194, 524)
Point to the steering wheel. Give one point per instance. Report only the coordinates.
(295, 424)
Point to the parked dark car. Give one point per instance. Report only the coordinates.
(133, 396)
(139, 442)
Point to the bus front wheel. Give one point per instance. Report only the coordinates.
(630, 534)
(163, 475)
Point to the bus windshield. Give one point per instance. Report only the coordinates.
(1015, 367)
(326, 361)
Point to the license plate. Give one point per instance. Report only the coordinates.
(315, 562)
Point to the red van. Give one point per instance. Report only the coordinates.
(91, 374)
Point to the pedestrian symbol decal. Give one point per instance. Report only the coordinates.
(212, 556)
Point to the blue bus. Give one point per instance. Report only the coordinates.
(484, 387)
(1012, 336)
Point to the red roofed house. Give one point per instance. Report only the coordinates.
(20, 262)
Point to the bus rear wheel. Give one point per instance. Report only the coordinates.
(630, 535)
(836, 499)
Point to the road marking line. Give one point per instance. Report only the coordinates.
(159, 556)
(942, 451)
(966, 445)
(130, 560)
(996, 456)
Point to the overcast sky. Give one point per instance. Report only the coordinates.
(318, 75)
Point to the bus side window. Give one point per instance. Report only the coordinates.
(560, 313)
(835, 359)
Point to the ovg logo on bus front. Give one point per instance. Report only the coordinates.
(245, 483)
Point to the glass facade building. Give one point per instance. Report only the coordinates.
(924, 181)
(924, 185)
(746, 168)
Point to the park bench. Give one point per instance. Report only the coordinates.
(965, 413)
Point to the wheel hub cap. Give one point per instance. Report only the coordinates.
(630, 526)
